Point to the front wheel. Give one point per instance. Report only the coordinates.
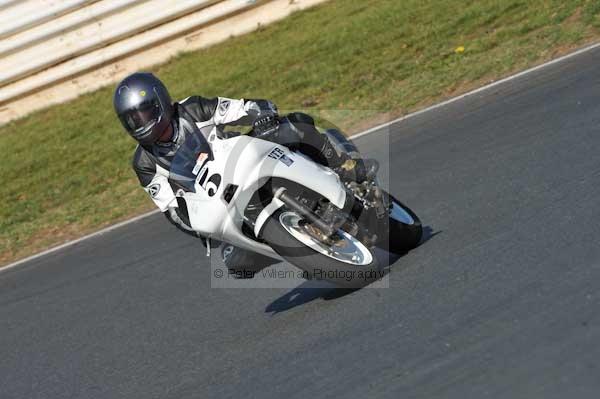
(342, 259)
(405, 230)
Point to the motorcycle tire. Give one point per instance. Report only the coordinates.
(311, 258)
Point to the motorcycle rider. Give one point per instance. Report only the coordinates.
(144, 107)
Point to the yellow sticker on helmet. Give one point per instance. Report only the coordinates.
(143, 93)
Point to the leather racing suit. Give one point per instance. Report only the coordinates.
(152, 163)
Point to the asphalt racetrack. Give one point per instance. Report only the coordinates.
(502, 300)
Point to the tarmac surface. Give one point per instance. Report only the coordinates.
(501, 300)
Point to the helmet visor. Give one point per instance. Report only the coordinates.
(140, 119)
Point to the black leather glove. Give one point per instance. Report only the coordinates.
(265, 124)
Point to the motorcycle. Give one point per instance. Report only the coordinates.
(265, 197)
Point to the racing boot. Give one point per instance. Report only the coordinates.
(244, 264)
(358, 170)
(345, 160)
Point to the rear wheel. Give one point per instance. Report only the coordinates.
(343, 259)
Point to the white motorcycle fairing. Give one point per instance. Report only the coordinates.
(248, 163)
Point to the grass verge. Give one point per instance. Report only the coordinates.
(66, 169)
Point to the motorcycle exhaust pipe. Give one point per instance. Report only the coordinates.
(304, 211)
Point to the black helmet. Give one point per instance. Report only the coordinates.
(144, 106)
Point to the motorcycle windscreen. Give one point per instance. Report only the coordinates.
(189, 160)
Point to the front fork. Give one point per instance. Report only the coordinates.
(365, 212)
